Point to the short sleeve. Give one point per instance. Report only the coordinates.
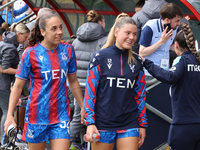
(72, 64)
(146, 36)
(24, 66)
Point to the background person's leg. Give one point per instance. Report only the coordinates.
(4, 138)
(21, 116)
(75, 125)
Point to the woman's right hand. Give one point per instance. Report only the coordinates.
(91, 129)
(9, 120)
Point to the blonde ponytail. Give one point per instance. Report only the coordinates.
(121, 19)
(21, 27)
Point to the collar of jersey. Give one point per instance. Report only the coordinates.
(186, 52)
(159, 25)
(47, 48)
(118, 50)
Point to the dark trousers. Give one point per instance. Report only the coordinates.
(184, 137)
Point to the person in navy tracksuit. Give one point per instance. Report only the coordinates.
(115, 91)
(185, 79)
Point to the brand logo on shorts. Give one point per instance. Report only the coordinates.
(30, 133)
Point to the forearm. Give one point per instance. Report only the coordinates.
(15, 95)
(165, 76)
(140, 97)
(21, 10)
(146, 51)
(9, 71)
(18, 18)
(76, 91)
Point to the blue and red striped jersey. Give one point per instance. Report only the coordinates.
(48, 101)
(115, 97)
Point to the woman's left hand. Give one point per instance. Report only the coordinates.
(142, 136)
(9, 120)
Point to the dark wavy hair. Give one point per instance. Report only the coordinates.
(36, 35)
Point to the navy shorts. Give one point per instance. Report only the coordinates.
(34, 133)
(111, 136)
(184, 137)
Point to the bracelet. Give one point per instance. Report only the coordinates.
(75, 88)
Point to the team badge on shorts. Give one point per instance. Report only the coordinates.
(30, 133)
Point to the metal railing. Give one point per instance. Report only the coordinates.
(26, 18)
(6, 5)
(152, 83)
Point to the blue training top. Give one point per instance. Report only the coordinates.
(115, 91)
(15, 13)
(185, 79)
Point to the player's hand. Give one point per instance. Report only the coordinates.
(82, 115)
(91, 129)
(142, 136)
(9, 120)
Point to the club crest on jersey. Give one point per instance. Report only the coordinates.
(109, 64)
(64, 56)
(132, 67)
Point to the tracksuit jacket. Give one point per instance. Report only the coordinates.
(115, 91)
(185, 79)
